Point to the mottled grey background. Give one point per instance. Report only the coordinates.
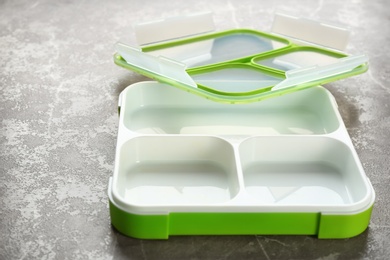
(58, 106)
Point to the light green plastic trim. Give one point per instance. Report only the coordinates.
(243, 223)
(267, 223)
(344, 226)
(139, 226)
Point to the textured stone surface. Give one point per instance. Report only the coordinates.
(58, 107)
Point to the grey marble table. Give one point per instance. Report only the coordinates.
(59, 90)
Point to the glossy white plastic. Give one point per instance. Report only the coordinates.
(178, 152)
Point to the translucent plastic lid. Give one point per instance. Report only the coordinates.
(241, 65)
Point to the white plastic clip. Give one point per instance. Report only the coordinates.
(311, 31)
(160, 66)
(311, 74)
(174, 27)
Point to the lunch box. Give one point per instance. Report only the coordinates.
(236, 135)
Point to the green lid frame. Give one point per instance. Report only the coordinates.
(242, 65)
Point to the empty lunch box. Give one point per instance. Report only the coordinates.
(196, 155)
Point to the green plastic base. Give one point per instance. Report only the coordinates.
(162, 226)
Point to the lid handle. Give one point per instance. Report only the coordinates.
(174, 27)
(311, 31)
(166, 68)
(311, 74)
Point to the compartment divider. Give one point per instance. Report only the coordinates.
(240, 176)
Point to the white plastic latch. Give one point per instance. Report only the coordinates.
(173, 28)
(311, 31)
(314, 73)
(160, 66)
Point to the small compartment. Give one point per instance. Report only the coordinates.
(159, 171)
(302, 171)
(219, 47)
(236, 78)
(296, 58)
(153, 108)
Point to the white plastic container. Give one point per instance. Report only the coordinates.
(188, 165)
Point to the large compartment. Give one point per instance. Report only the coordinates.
(153, 108)
(218, 48)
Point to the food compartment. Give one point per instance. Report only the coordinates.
(302, 171)
(155, 108)
(301, 57)
(176, 170)
(217, 48)
(236, 78)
